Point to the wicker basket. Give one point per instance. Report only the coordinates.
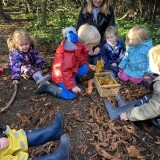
(106, 90)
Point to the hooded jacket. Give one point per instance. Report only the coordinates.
(136, 61)
(110, 55)
(148, 110)
(68, 58)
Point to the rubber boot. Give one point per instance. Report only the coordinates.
(121, 102)
(61, 153)
(37, 76)
(49, 88)
(115, 112)
(43, 135)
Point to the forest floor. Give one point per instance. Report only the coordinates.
(93, 135)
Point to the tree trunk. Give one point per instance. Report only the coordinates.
(4, 17)
(43, 11)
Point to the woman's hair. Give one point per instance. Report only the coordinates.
(88, 34)
(104, 8)
(154, 53)
(139, 32)
(111, 29)
(17, 37)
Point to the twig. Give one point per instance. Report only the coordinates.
(11, 100)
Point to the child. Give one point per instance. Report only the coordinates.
(112, 51)
(134, 67)
(24, 60)
(70, 61)
(14, 144)
(147, 107)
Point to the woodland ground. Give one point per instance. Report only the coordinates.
(92, 134)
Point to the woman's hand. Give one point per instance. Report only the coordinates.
(4, 143)
(123, 116)
(76, 89)
(96, 51)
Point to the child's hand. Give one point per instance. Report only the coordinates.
(76, 89)
(123, 116)
(114, 64)
(15, 82)
(96, 51)
(4, 143)
(92, 67)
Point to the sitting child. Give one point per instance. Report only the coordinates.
(147, 107)
(14, 144)
(24, 60)
(70, 61)
(134, 67)
(112, 51)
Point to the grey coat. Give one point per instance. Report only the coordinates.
(148, 110)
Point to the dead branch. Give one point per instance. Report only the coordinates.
(11, 100)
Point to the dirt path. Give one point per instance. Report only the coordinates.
(93, 135)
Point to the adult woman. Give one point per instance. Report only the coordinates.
(100, 14)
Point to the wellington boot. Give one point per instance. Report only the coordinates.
(114, 112)
(43, 135)
(61, 153)
(49, 88)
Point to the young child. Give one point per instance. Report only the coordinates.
(112, 51)
(14, 144)
(134, 67)
(70, 61)
(24, 60)
(147, 107)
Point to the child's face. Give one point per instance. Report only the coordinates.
(111, 39)
(97, 3)
(133, 41)
(23, 45)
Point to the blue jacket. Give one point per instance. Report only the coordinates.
(136, 61)
(110, 55)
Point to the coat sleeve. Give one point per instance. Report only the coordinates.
(40, 63)
(146, 111)
(103, 55)
(124, 61)
(80, 19)
(111, 21)
(15, 66)
(67, 67)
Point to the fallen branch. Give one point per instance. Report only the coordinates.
(11, 100)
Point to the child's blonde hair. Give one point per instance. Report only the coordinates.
(111, 29)
(17, 37)
(104, 8)
(88, 34)
(154, 54)
(139, 32)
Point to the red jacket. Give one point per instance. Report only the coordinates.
(67, 62)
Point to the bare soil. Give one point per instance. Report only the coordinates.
(93, 135)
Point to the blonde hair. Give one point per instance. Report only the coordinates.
(139, 32)
(104, 8)
(88, 34)
(111, 29)
(18, 36)
(154, 53)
